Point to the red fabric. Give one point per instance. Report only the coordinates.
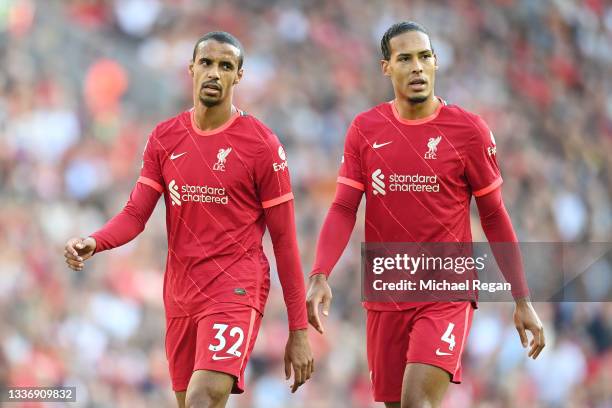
(419, 176)
(130, 222)
(231, 333)
(216, 184)
(280, 221)
(431, 333)
(497, 226)
(495, 220)
(337, 228)
(215, 190)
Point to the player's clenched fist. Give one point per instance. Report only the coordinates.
(77, 250)
(318, 292)
(298, 355)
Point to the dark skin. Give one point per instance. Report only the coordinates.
(215, 72)
(412, 67)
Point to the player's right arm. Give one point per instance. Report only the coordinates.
(337, 228)
(130, 222)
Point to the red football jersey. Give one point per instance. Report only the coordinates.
(419, 175)
(215, 185)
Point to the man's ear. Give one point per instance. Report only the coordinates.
(436, 61)
(384, 66)
(239, 76)
(191, 68)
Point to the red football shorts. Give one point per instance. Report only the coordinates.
(434, 334)
(219, 341)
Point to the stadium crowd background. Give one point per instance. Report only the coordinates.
(82, 83)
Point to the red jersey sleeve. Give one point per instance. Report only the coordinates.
(280, 221)
(350, 169)
(151, 174)
(481, 169)
(272, 172)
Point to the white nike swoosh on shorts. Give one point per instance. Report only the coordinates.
(216, 357)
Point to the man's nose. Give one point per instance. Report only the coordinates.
(417, 67)
(213, 72)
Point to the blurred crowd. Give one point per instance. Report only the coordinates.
(83, 82)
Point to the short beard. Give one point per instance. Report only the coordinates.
(415, 100)
(209, 103)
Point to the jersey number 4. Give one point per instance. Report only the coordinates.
(234, 332)
(448, 337)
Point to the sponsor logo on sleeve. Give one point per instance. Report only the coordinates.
(283, 164)
(492, 150)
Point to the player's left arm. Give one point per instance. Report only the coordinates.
(280, 221)
(273, 185)
(498, 229)
(483, 175)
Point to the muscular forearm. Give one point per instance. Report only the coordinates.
(337, 229)
(498, 229)
(280, 221)
(130, 222)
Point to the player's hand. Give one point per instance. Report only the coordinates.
(298, 355)
(526, 319)
(318, 292)
(77, 250)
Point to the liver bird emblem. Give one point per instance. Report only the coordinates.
(432, 144)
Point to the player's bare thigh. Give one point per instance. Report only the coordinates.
(423, 386)
(180, 398)
(210, 389)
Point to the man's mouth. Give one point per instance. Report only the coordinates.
(417, 84)
(212, 85)
(211, 88)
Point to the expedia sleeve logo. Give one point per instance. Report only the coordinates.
(283, 165)
(492, 150)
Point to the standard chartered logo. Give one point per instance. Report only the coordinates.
(196, 194)
(409, 183)
(377, 182)
(174, 193)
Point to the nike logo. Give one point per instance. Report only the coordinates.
(176, 156)
(441, 353)
(376, 145)
(216, 357)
